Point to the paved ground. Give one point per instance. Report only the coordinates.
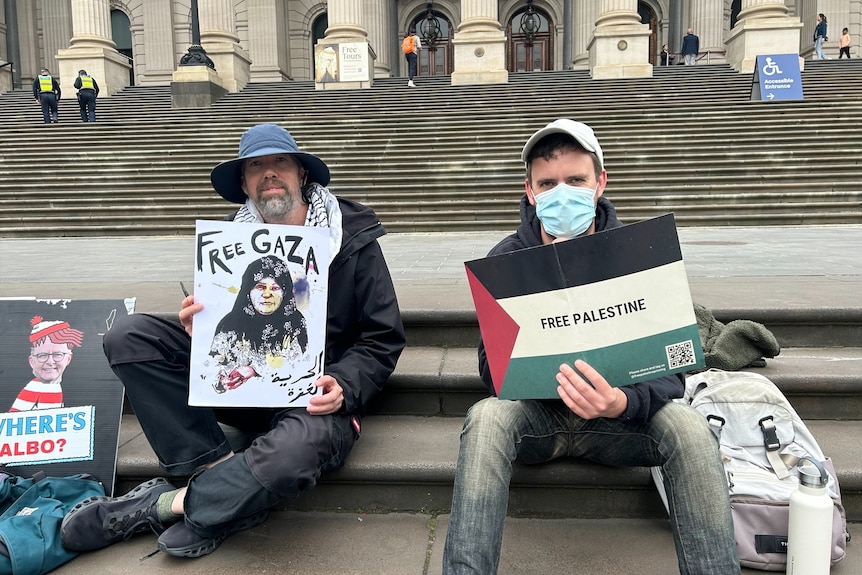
(728, 267)
(786, 266)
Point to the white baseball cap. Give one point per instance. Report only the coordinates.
(582, 133)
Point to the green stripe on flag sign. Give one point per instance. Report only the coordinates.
(674, 351)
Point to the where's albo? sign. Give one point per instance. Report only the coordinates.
(617, 299)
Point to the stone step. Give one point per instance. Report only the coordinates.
(412, 544)
(407, 463)
(821, 383)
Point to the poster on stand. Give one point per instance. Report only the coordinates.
(61, 403)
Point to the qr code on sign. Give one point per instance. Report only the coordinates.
(680, 354)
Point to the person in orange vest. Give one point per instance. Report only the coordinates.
(88, 91)
(46, 90)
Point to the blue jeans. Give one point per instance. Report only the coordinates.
(818, 49)
(497, 433)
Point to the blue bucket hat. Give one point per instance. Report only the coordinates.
(263, 140)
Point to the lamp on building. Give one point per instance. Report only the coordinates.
(196, 55)
(430, 27)
(530, 23)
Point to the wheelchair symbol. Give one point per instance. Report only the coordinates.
(771, 68)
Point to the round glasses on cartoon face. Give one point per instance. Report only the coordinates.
(56, 356)
(266, 296)
(49, 360)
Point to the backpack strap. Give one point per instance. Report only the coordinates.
(772, 445)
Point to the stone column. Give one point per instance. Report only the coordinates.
(479, 45)
(92, 49)
(5, 71)
(349, 40)
(376, 19)
(586, 14)
(159, 46)
(708, 24)
(219, 39)
(345, 21)
(57, 29)
(763, 27)
(620, 44)
(267, 41)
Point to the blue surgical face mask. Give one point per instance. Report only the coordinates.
(566, 211)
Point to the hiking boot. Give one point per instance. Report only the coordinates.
(97, 522)
(180, 541)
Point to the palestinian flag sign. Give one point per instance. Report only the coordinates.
(617, 299)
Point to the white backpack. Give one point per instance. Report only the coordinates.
(761, 439)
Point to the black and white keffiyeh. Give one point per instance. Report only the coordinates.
(323, 212)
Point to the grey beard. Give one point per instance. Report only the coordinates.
(275, 208)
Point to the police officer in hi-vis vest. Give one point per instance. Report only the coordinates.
(88, 91)
(46, 90)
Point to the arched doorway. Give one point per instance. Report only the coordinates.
(735, 7)
(121, 34)
(434, 30)
(318, 31)
(531, 44)
(648, 16)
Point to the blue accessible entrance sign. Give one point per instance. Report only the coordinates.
(777, 77)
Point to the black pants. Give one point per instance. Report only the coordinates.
(49, 106)
(87, 102)
(412, 60)
(287, 450)
(845, 51)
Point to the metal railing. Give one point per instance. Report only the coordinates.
(678, 56)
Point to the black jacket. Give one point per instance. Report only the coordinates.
(37, 88)
(364, 334)
(79, 84)
(644, 398)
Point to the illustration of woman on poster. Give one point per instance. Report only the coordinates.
(264, 330)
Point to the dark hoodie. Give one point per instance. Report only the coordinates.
(644, 398)
(364, 334)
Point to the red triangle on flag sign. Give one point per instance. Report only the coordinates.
(499, 330)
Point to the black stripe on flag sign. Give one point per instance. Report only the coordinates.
(601, 256)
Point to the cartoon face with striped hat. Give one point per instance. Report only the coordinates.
(51, 352)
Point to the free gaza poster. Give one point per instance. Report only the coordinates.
(618, 299)
(260, 339)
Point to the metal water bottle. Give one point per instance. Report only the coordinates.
(809, 537)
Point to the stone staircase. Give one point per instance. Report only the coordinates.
(444, 157)
(687, 141)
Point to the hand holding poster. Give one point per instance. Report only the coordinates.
(629, 316)
(259, 341)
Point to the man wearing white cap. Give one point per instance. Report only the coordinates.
(231, 490)
(50, 354)
(631, 426)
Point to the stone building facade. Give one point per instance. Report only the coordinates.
(141, 42)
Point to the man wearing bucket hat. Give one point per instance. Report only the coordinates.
(230, 491)
(634, 425)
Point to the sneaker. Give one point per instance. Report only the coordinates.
(97, 522)
(411, 84)
(180, 541)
